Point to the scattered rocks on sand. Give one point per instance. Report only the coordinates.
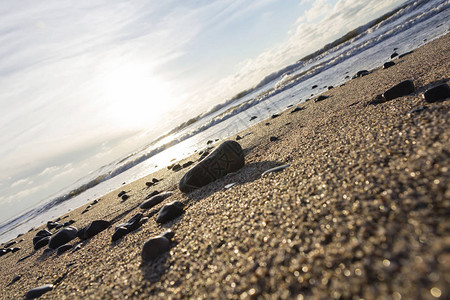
(155, 200)
(93, 229)
(62, 237)
(156, 246)
(3, 252)
(170, 211)
(402, 89)
(227, 158)
(276, 169)
(39, 291)
(437, 93)
(388, 64)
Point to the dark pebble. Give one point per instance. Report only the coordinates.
(170, 211)
(361, 73)
(395, 54)
(63, 248)
(152, 194)
(187, 164)
(94, 228)
(155, 200)
(51, 225)
(15, 249)
(176, 168)
(274, 139)
(16, 278)
(252, 118)
(39, 291)
(68, 223)
(8, 245)
(63, 236)
(119, 233)
(125, 197)
(121, 194)
(314, 86)
(154, 247)
(3, 252)
(298, 108)
(275, 116)
(402, 89)
(320, 98)
(238, 137)
(41, 243)
(149, 183)
(437, 93)
(404, 54)
(267, 124)
(388, 64)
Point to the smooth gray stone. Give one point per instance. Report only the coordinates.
(39, 291)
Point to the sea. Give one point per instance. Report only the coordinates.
(368, 47)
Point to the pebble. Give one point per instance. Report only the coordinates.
(177, 168)
(298, 108)
(252, 118)
(314, 86)
(39, 291)
(388, 64)
(274, 139)
(275, 116)
(276, 169)
(119, 233)
(121, 194)
(395, 54)
(361, 73)
(93, 229)
(63, 236)
(63, 248)
(404, 54)
(320, 98)
(156, 199)
(156, 246)
(125, 197)
(170, 211)
(51, 224)
(187, 164)
(402, 89)
(152, 194)
(3, 252)
(8, 245)
(16, 278)
(437, 93)
(42, 243)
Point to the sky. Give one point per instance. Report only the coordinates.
(83, 83)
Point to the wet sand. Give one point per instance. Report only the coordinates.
(361, 212)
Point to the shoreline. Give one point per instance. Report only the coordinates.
(359, 212)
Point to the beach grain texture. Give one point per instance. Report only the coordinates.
(362, 212)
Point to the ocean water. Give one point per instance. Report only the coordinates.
(367, 47)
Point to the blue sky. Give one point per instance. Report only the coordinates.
(85, 82)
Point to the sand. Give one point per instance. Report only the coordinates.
(360, 213)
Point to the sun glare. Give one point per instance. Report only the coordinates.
(135, 97)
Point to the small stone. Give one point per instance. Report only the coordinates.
(15, 249)
(119, 233)
(395, 54)
(63, 248)
(276, 169)
(41, 243)
(274, 139)
(154, 180)
(63, 236)
(154, 247)
(314, 86)
(437, 93)
(149, 183)
(170, 211)
(8, 245)
(298, 108)
(402, 89)
(275, 116)
(320, 98)
(238, 137)
(156, 199)
(3, 252)
(16, 278)
(388, 64)
(169, 234)
(39, 291)
(330, 87)
(252, 118)
(176, 168)
(404, 54)
(187, 164)
(94, 228)
(68, 223)
(121, 194)
(51, 225)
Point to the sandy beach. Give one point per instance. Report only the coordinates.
(360, 213)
